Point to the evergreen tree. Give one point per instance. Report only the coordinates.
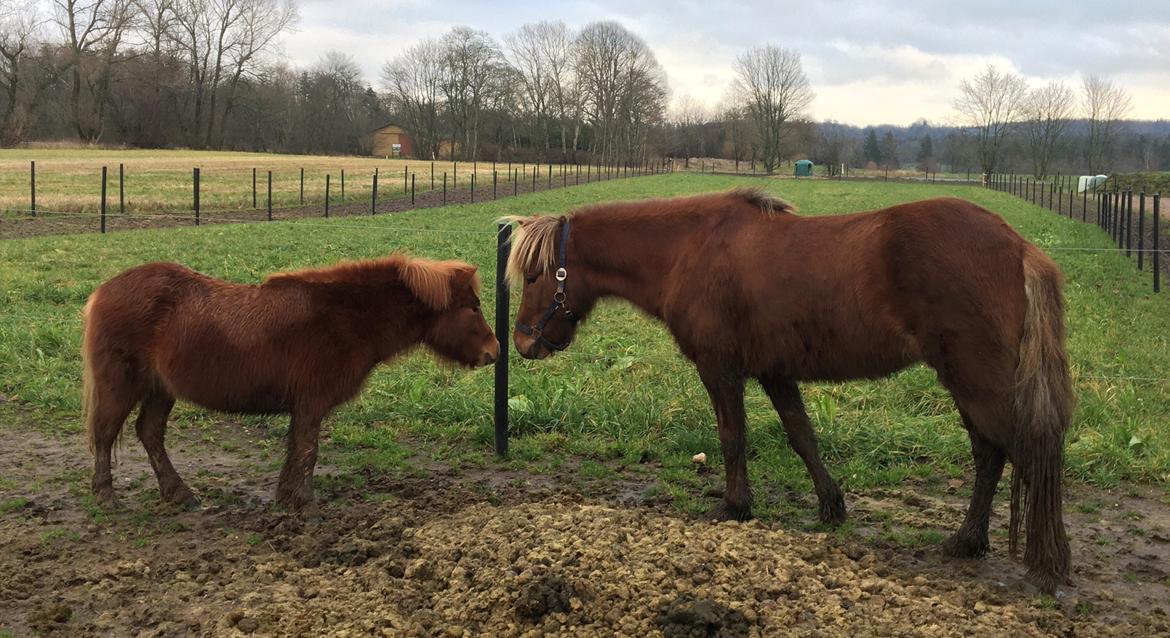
(925, 154)
(873, 153)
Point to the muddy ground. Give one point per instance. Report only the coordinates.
(486, 551)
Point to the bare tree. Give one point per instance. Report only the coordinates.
(470, 60)
(18, 25)
(771, 83)
(1046, 116)
(95, 31)
(623, 88)
(221, 42)
(1105, 105)
(991, 103)
(687, 120)
(414, 85)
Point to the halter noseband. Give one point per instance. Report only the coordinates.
(558, 301)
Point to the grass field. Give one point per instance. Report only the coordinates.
(621, 395)
(159, 181)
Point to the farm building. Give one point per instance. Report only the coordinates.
(804, 168)
(391, 140)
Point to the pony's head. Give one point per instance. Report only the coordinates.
(555, 294)
(459, 332)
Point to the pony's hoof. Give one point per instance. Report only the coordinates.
(832, 510)
(183, 497)
(192, 503)
(724, 511)
(106, 499)
(965, 547)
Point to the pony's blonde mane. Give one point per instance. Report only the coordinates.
(534, 240)
(427, 279)
(533, 245)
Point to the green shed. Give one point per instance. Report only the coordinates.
(804, 168)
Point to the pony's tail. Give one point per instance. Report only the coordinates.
(89, 396)
(1043, 408)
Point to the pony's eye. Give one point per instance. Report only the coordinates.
(530, 279)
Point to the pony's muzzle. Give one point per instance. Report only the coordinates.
(529, 347)
(491, 353)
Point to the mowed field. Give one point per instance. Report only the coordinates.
(69, 180)
(620, 409)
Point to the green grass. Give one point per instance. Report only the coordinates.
(622, 394)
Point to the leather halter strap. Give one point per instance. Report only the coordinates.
(558, 301)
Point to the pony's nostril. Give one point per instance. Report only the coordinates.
(487, 358)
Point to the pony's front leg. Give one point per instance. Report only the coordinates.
(726, 392)
(295, 487)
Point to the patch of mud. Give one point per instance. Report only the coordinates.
(450, 554)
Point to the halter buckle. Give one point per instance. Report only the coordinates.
(562, 274)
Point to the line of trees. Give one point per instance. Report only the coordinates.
(998, 106)
(210, 74)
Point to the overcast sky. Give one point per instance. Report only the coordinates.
(868, 62)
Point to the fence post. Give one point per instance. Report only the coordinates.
(412, 190)
(1085, 205)
(1157, 259)
(195, 185)
(550, 174)
(343, 186)
(374, 193)
(495, 180)
(269, 195)
(405, 180)
(121, 189)
(1128, 223)
(1141, 228)
(103, 207)
(534, 169)
(432, 174)
(503, 247)
(444, 188)
(454, 174)
(302, 186)
(327, 176)
(32, 187)
(472, 187)
(253, 187)
(515, 179)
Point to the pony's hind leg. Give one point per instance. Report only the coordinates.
(151, 427)
(785, 396)
(104, 422)
(971, 540)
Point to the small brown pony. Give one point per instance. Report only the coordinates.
(300, 343)
(749, 289)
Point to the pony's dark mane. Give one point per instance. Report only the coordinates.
(429, 280)
(533, 245)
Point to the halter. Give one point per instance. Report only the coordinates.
(558, 301)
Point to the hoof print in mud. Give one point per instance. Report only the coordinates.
(547, 595)
(690, 617)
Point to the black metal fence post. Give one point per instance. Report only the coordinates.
(412, 190)
(444, 188)
(195, 186)
(515, 181)
(343, 186)
(103, 206)
(327, 176)
(1141, 249)
(374, 193)
(473, 188)
(121, 189)
(503, 247)
(302, 186)
(269, 195)
(253, 187)
(495, 181)
(32, 187)
(1128, 223)
(1157, 255)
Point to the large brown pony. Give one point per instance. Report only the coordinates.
(300, 343)
(749, 289)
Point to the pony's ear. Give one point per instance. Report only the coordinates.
(465, 275)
